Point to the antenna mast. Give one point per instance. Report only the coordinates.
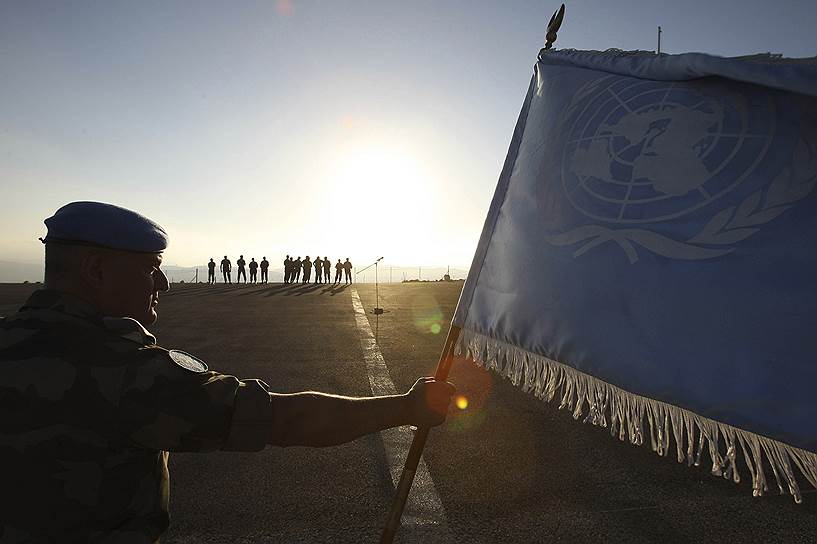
(659, 40)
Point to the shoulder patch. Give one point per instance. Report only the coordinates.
(187, 361)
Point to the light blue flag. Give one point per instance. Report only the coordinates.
(649, 258)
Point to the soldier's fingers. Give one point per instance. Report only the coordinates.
(448, 386)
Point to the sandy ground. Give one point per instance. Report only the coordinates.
(508, 468)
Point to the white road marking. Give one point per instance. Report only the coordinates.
(423, 507)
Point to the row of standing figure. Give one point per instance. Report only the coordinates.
(227, 267)
(323, 270)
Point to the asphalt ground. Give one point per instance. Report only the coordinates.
(508, 468)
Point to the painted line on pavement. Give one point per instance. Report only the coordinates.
(423, 507)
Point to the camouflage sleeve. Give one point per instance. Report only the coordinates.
(171, 402)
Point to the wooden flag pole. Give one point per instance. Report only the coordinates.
(417, 445)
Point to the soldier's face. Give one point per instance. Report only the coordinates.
(135, 283)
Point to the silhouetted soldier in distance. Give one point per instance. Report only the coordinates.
(241, 270)
(327, 269)
(295, 270)
(287, 268)
(211, 272)
(307, 266)
(226, 266)
(347, 266)
(253, 271)
(264, 270)
(318, 265)
(338, 271)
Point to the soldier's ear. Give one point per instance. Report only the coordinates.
(92, 269)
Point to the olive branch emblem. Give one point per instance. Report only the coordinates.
(726, 228)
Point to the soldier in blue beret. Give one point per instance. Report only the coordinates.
(92, 405)
(107, 255)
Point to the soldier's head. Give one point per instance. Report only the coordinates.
(225, 256)
(211, 259)
(107, 256)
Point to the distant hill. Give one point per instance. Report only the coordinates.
(15, 272)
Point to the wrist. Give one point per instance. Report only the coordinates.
(405, 410)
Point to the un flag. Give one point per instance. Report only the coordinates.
(648, 258)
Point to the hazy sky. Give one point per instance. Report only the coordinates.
(346, 128)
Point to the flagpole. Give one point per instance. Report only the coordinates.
(443, 367)
(417, 445)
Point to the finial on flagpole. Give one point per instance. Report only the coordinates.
(553, 27)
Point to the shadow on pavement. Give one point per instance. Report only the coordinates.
(281, 288)
(335, 289)
(306, 288)
(210, 290)
(261, 289)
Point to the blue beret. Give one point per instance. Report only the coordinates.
(104, 225)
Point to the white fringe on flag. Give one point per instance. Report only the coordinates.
(627, 413)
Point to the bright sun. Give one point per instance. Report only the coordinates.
(378, 176)
(384, 196)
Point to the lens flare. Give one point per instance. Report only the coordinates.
(284, 7)
(461, 402)
(427, 314)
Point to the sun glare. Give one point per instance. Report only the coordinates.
(385, 195)
(379, 177)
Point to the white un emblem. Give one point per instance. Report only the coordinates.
(640, 153)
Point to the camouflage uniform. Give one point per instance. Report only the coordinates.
(89, 408)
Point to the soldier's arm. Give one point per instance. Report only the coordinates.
(168, 400)
(320, 419)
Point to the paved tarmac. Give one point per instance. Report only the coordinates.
(508, 468)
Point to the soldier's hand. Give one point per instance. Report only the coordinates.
(428, 401)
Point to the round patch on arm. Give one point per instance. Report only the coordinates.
(187, 361)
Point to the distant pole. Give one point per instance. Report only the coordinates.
(197, 275)
(419, 272)
(659, 40)
(390, 270)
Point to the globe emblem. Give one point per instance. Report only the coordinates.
(639, 151)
